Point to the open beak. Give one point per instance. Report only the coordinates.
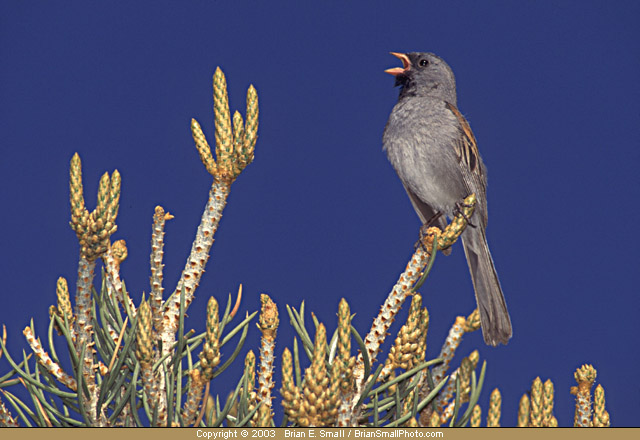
(406, 64)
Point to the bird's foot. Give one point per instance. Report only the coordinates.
(458, 210)
(426, 235)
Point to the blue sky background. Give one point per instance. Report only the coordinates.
(551, 92)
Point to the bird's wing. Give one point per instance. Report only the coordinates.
(470, 162)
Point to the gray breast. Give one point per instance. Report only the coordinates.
(418, 140)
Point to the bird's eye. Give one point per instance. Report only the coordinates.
(424, 63)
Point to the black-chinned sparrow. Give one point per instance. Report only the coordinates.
(431, 147)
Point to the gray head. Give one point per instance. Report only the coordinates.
(424, 74)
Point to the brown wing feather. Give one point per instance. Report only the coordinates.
(470, 162)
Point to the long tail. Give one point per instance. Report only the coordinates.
(494, 316)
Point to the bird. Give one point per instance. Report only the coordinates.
(434, 152)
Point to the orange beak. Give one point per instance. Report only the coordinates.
(406, 64)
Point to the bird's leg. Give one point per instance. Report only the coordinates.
(423, 230)
(433, 219)
(458, 210)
